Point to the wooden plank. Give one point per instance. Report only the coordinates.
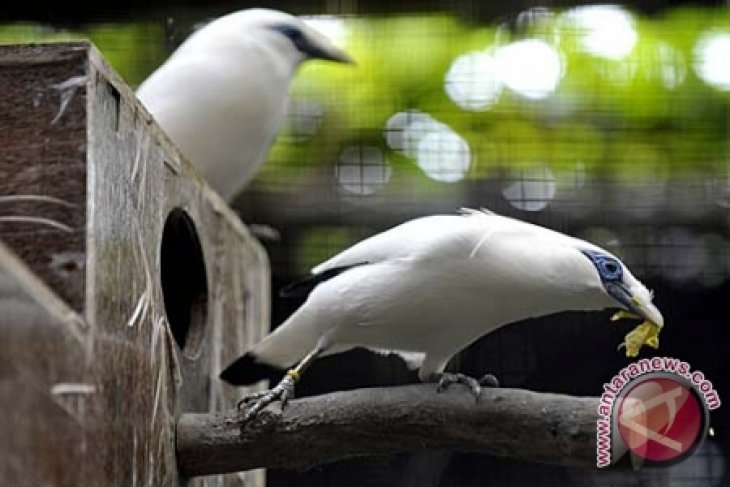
(44, 400)
(43, 162)
(216, 275)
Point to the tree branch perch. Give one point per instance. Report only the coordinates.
(539, 427)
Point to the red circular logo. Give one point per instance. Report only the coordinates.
(660, 418)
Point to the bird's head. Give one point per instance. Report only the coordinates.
(607, 274)
(557, 271)
(285, 34)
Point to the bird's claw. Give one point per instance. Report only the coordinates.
(474, 385)
(250, 397)
(489, 380)
(252, 404)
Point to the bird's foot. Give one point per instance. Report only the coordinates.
(474, 385)
(254, 403)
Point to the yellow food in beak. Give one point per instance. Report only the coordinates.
(623, 314)
(646, 333)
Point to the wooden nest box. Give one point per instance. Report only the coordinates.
(126, 284)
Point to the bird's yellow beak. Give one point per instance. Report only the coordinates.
(648, 311)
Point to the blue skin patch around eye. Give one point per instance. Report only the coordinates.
(611, 272)
(295, 35)
(609, 269)
(289, 31)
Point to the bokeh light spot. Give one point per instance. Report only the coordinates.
(532, 190)
(605, 30)
(531, 67)
(472, 81)
(304, 119)
(363, 169)
(712, 60)
(672, 66)
(444, 155)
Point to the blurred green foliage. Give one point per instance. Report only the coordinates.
(624, 118)
(618, 117)
(134, 49)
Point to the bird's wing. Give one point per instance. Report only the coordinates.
(305, 286)
(403, 241)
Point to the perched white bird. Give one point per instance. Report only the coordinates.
(222, 95)
(429, 287)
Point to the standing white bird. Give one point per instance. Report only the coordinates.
(430, 287)
(222, 95)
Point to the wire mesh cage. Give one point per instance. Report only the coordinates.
(600, 121)
(597, 121)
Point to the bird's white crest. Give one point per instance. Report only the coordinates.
(222, 95)
(487, 233)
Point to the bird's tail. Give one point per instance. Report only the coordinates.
(284, 347)
(247, 370)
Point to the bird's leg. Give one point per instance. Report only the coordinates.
(445, 379)
(283, 391)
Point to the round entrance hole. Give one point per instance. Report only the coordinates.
(184, 285)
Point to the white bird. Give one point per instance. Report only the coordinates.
(429, 287)
(222, 95)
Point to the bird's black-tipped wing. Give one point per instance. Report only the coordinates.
(305, 286)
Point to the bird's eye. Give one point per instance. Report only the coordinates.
(608, 268)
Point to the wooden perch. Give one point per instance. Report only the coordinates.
(539, 427)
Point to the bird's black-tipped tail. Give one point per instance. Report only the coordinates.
(247, 370)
